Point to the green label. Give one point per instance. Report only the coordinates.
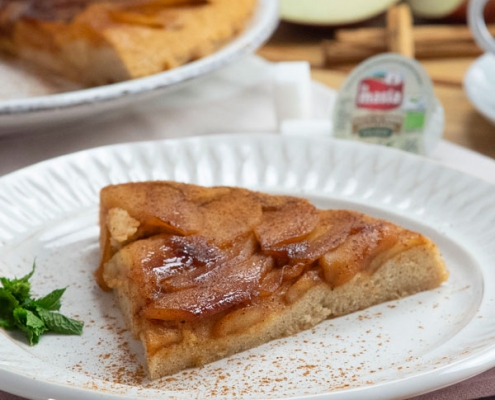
(375, 131)
(414, 120)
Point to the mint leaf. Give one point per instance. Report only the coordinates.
(7, 323)
(7, 305)
(58, 323)
(51, 301)
(34, 317)
(27, 277)
(20, 288)
(30, 324)
(7, 302)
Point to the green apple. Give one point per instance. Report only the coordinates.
(332, 12)
(447, 9)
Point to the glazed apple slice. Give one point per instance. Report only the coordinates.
(332, 229)
(226, 286)
(286, 223)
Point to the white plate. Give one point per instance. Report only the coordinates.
(42, 112)
(394, 350)
(479, 84)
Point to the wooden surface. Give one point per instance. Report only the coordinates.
(464, 125)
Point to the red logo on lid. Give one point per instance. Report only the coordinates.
(380, 94)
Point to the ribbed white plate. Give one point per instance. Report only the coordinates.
(33, 113)
(394, 350)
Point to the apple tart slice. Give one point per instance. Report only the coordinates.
(97, 42)
(202, 273)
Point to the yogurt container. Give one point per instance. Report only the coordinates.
(389, 100)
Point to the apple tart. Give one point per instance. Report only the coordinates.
(96, 42)
(201, 273)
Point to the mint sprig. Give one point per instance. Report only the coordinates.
(19, 310)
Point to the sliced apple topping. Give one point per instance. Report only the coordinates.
(160, 336)
(357, 252)
(240, 320)
(301, 286)
(186, 278)
(286, 223)
(226, 251)
(228, 285)
(332, 229)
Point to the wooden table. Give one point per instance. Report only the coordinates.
(464, 125)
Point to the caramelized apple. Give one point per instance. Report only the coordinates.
(163, 257)
(225, 247)
(271, 282)
(292, 271)
(332, 229)
(162, 201)
(286, 223)
(240, 320)
(229, 284)
(357, 252)
(230, 216)
(160, 336)
(241, 250)
(220, 213)
(302, 285)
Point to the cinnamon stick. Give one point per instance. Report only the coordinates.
(377, 37)
(449, 49)
(430, 41)
(400, 30)
(338, 53)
